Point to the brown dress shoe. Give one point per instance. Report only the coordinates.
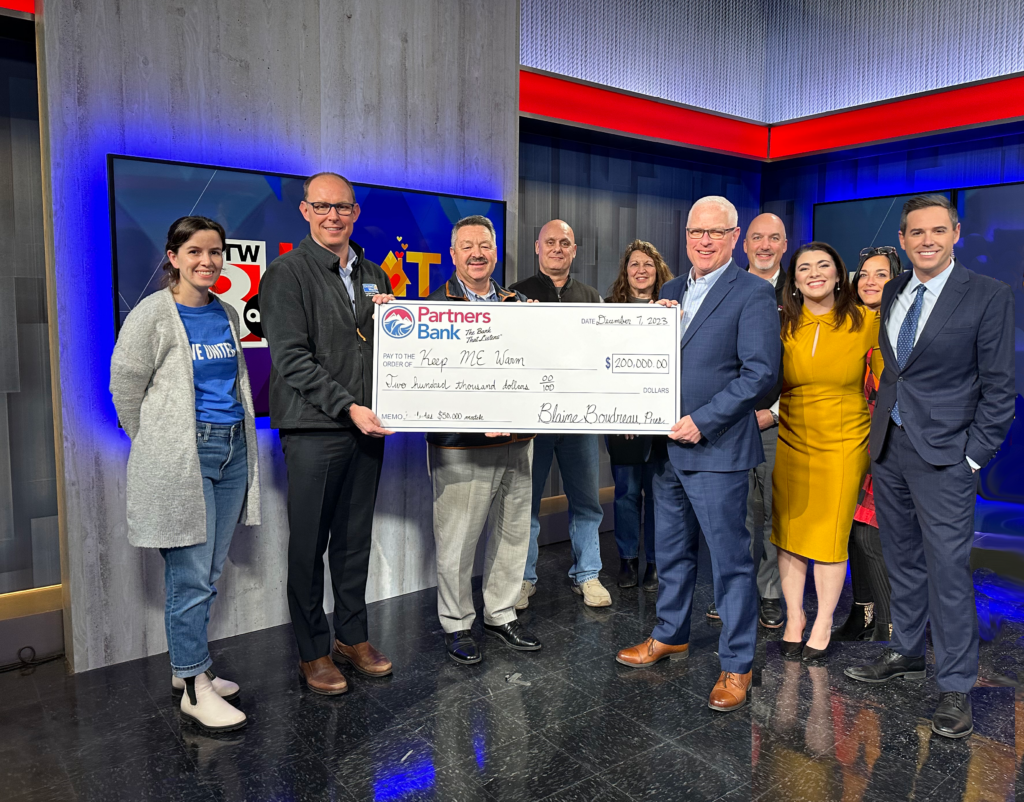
(322, 676)
(649, 652)
(730, 692)
(363, 658)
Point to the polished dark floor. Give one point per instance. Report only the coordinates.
(565, 723)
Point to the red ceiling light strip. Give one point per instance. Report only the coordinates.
(995, 101)
(569, 101)
(28, 6)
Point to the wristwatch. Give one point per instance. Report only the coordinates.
(775, 417)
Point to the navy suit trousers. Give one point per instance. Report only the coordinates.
(687, 502)
(926, 521)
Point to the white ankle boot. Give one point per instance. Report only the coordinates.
(201, 703)
(225, 688)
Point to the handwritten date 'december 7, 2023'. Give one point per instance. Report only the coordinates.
(515, 367)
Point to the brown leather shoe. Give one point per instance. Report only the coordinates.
(730, 692)
(322, 676)
(363, 658)
(650, 652)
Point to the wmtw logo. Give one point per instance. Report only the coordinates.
(245, 262)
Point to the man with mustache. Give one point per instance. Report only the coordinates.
(471, 474)
(579, 455)
(765, 245)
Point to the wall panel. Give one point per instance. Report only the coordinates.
(403, 92)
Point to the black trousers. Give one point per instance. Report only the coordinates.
(868, 572)
(332, 488)
(926, 518)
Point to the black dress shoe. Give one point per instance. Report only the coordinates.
(462, 648)
(859, 624)
(953, 717)
(712, 613)
(814, 657)
(651, 579)
(791, 650)
(889, 666)
(772, 616)
(514, 636)
(627, 573)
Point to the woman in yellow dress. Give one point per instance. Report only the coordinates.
(823, 438)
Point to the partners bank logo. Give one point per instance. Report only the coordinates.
(398, 322)
(394, 264)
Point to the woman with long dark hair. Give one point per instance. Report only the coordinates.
(635, 458)
(823, 437)
(182, 393)
(869, 615)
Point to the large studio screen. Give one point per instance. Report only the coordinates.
(408, 233)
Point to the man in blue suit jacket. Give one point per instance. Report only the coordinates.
(945, 403)
(730, 353)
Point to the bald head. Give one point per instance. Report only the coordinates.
(765, 244)
(555, 248)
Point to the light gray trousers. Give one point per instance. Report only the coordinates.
(467, 484)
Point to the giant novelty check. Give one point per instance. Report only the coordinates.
(516, 367)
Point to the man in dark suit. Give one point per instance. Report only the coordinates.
(729, 352)
(945, 404)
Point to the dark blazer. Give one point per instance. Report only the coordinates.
(956, 392)
(729, 358)
(769, 398)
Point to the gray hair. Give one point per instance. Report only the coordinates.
(732, 216)
(475, 220)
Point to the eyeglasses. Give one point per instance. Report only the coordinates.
(713, 233)
(320, 207)
(878, 250)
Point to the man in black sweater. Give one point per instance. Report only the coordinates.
(765, 245)
(578, 454)
(317, 304)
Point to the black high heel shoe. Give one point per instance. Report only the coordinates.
(791, 650)
(814, 657)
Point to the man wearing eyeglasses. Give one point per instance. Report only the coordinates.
(729, 353)
(317, 304)
(765, 245)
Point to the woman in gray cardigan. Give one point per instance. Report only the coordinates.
(182, 393)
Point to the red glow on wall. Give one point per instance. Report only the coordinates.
(28, 6)
(582, 104)
(996, 101)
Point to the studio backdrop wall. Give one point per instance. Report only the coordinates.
(408, 93)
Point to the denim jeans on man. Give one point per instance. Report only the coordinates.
(634, 507)
(579, 464)
(190, 572)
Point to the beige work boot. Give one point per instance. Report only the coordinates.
(525, 592)
(203, 705)
(593, 592)
(225, 688)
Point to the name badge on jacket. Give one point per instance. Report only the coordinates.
(370, 289)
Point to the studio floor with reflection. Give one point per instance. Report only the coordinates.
(565, 723)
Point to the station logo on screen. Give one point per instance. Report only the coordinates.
(245, 262)
(398, 322)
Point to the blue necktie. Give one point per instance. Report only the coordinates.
(905, 342)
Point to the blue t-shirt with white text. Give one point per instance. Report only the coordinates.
(214, 363)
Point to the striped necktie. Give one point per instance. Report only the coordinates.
(905, 342)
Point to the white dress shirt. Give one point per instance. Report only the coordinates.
(697, 290)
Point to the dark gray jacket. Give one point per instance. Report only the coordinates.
(540, 287)
(322, 354)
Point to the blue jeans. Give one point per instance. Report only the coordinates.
(190, 572)
(579, 464)
(630, 482)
